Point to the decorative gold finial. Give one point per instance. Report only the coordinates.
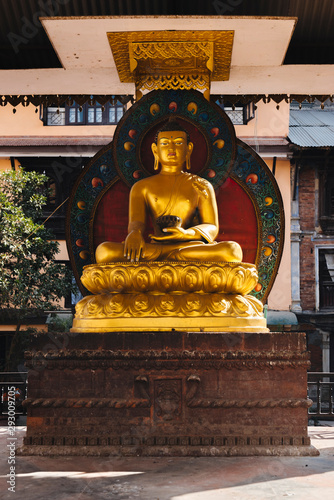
(171, 60)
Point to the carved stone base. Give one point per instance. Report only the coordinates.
(184, 446)
(168, 393)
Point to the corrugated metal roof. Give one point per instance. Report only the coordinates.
(311, 128)
(303, 117)
(311, 118)
(312, 137)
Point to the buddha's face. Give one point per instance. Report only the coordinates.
(172, 148)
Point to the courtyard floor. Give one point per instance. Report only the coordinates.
(165, 478)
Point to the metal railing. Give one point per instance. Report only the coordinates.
(14, 382)
(320, 389)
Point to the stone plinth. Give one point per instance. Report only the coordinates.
(168, 393)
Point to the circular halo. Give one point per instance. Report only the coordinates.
(189, 106)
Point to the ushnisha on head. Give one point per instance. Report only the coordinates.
(172, 148)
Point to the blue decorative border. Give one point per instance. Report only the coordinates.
(97, 174)
(254, 176)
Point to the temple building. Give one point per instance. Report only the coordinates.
(62, 97)
(312, 140)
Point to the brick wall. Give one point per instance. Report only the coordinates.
(307, 198)
(307, 224)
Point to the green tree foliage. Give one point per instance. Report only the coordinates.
(31, 281)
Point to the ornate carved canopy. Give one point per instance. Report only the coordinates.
(172, 60)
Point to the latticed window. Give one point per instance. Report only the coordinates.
(84, 115)
(115, 113)
(239, 114)
(236, 115)
(94, 114)
(55, 116)
(74, 114)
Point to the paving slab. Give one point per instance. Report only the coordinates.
(138, 478)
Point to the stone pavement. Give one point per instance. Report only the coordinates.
(165, 478)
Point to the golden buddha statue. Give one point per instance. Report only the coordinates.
(182, 207)
(182, 279)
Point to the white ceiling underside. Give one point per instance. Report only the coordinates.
(259, 48)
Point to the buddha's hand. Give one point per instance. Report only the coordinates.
(134, 246)
(177, 234)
